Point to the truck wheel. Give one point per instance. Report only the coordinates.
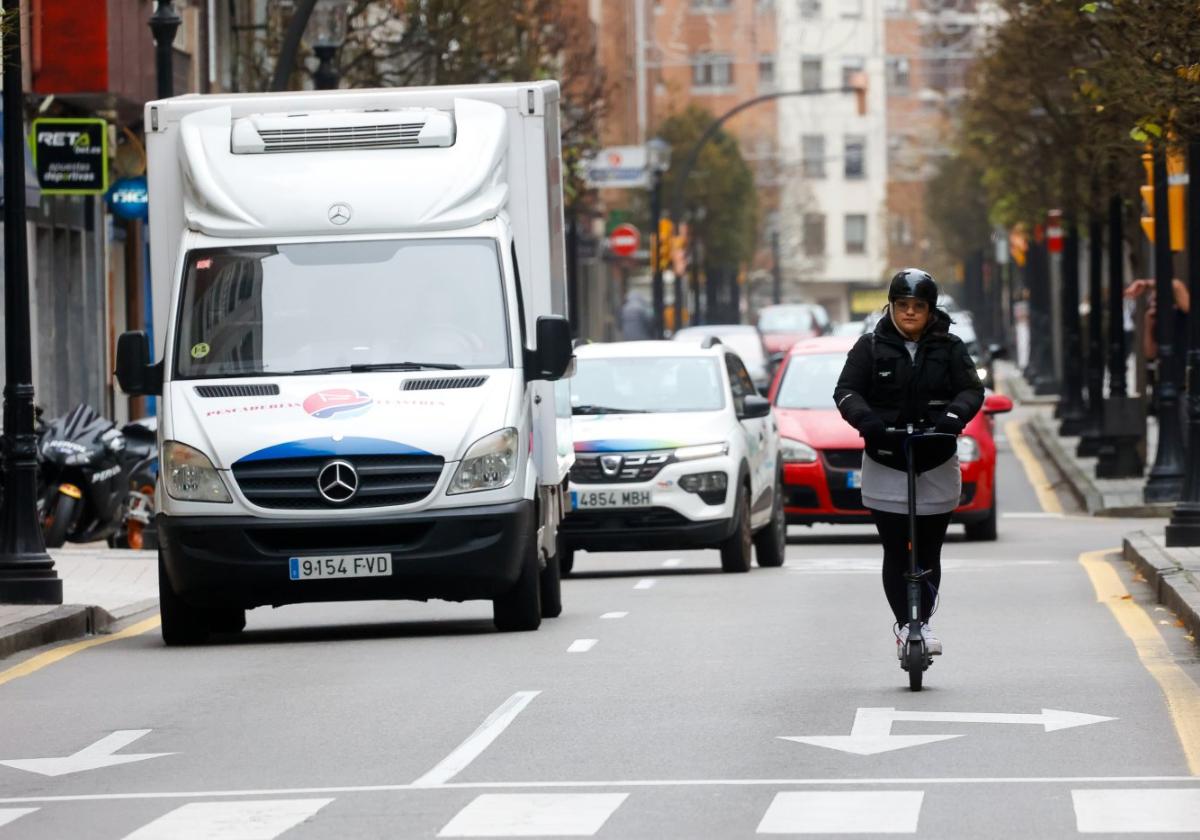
(521, 608)
(182, 624)
(770, 544)
(550, 580)
(738, 547)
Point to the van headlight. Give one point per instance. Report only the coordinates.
(968, 449)
(190, 476)
(794, 452)
(490, 463)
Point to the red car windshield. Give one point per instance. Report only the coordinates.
(809, 380)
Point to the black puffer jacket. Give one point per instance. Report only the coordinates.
(880, 378)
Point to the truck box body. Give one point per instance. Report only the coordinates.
(303, 245)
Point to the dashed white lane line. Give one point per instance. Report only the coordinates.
(843, 812)
(252, 820)
(1137, 811)
(477, 741)
(672, 563)
(582, 645)
(7, 815)
(645, 583)
(534, 815)
(614, 615)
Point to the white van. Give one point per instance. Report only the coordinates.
(363, 295)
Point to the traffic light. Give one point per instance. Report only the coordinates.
(1176, 196)
(660, 257)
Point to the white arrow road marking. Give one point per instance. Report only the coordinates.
(98, 755)
(872, 730)
(477, 741)
(7, 815)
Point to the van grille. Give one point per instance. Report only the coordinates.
(383, 480)
(398, 136)
(211, 391)
(444, 384)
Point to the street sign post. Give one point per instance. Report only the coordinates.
(618, 167)
(624, 240)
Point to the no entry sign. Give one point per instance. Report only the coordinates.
(624, 240)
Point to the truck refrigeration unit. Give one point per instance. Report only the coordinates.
(360, 302)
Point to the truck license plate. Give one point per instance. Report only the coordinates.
(609, 498)
(854, 480)
(341, 566)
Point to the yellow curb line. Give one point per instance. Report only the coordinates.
(36, 663)
(1015, 431)
(1182, 694)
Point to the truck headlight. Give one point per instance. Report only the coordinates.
(968, 449)
(190, 476)
(795, 452)
(490, 463)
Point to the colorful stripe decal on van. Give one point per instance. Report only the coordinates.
(327, 447)
(624, 445)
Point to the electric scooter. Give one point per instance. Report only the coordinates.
(915, 658)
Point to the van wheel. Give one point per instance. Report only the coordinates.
(550, 580)
(231, 620)
(738, 547)
(182, 624)
(566, 561)
(770, 544)
(521, 607)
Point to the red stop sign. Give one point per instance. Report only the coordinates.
(624, 240)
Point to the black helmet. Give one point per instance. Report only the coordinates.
(913, 283)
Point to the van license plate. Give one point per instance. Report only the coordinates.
(341, 566)
(854, 480)
(610, 498)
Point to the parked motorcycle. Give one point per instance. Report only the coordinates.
(86, 468)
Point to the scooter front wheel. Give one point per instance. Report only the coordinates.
(915, 663)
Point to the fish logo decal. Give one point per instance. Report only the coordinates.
(338, 402)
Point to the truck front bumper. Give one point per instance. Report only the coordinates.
(243, 562)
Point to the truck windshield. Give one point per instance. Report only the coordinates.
(635, 385)
(280, 309)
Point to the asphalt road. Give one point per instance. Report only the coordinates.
(658, 706)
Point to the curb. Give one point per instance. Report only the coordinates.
(1085, 490)
(1176, 583)
(71, 621)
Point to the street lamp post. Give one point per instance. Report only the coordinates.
(1184, 527)
(1072, 413)
(164, 23)
(1089, 437)
(27, 573)
(1165, 483)
(660, 161)
(330, 24)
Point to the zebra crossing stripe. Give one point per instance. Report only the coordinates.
(843, 812)
(8, 815)
(534, 815)
(262, 819)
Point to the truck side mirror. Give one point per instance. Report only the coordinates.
(136, 375)
(554, 353)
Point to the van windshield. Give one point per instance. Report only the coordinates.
(280, 309)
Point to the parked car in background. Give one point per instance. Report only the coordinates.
(743, 339)
(822, 454)
(674, 449)
(845, 328)
(783, 324)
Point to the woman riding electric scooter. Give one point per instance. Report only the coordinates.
(910, 372)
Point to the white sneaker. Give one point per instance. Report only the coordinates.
(901, 642)
(932, 643)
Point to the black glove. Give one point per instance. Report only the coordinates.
(949, 424)
(872, 429)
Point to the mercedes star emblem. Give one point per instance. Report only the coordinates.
(610, 465)
(338, 482)
(339, 213)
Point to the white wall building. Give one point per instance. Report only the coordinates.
(832, 219)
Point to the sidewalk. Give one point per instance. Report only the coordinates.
(101, 586)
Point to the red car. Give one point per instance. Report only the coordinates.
(822, 454)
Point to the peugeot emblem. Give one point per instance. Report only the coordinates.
(338, 482)
(339, 213)
(610, 465)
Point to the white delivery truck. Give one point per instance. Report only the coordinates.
(360, 303)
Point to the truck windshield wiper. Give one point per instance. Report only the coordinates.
(376, 366)
(605, 409)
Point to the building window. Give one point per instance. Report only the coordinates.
(855, 163)
(897, 76)
(851, 8)
(706, 5)
(850, 66)
(856, 233)
(814, 234)
(812, 156)
(810, 74)
(766, 72)
(810, 9)
(895, 7)
(711, 70)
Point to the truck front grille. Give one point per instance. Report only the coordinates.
(383, 480)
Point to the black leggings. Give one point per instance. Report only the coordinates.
(893, 531)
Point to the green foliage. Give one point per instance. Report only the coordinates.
(721, 183)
